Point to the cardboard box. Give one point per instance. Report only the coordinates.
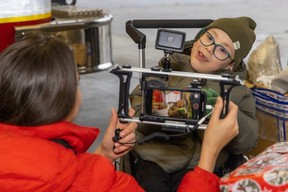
(267, 171)
(262, 144)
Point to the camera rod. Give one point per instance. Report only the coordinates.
(167, 123)
(223, 77)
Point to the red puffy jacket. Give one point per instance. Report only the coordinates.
(29, 161)
(199, 180)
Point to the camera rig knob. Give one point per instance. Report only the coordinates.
(117, 135)
(198, 83)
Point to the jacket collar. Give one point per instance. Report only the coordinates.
(78, 137)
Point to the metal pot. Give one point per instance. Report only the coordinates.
(89, 38)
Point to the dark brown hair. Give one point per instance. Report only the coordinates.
(38, 81)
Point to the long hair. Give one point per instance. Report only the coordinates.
(38, 81)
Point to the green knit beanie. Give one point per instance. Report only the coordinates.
(241, 32)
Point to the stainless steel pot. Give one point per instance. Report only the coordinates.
(89, 38)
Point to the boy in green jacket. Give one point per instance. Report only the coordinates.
(219, 47)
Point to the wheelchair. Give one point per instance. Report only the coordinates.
(127, 162)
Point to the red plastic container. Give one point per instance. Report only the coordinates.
(21, 13)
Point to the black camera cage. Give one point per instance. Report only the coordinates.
(125, 72)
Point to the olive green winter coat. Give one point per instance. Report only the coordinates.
(184, 152)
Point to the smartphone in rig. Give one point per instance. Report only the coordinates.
(165, 103)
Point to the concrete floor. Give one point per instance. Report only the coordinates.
(100, 90)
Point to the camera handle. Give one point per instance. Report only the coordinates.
(225, 94)
(125, 78)
(133, 26)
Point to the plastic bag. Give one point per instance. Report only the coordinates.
(264, 61)
(280, 82)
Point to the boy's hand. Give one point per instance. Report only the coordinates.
(218, 134)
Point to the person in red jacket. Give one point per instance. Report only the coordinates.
(42, 150)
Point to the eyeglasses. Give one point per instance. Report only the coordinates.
(219, 51)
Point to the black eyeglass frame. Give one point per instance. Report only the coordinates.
(202, 32)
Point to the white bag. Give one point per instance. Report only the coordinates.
(264, 61)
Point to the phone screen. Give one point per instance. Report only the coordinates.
(176, 104)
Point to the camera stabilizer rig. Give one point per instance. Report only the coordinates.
(169, 41)
(125, 73)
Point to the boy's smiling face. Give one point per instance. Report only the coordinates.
(202, 58)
